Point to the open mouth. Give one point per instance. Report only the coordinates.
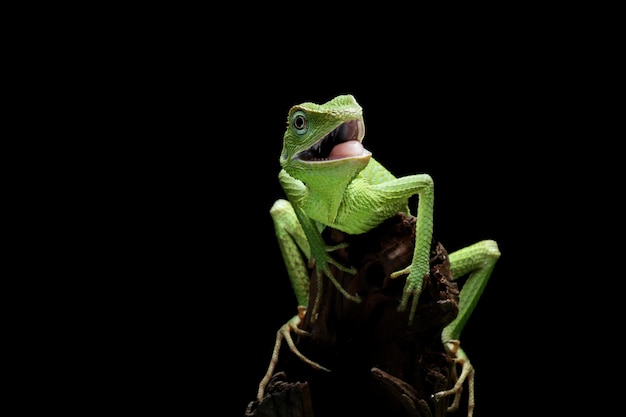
(343, 142)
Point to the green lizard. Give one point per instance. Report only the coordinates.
(331, 180)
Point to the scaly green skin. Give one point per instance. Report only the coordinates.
(345, 188)
(352, 194)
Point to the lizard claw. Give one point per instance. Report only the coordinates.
(412, 290)
(414, 294)
(284, 333)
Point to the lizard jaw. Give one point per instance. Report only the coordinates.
(343, 142)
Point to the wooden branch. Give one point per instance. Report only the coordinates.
(379, 364)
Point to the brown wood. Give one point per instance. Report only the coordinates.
(379, 364)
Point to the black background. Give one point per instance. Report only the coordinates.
(164, 128)
(467, 139)
(209, 289)
(220, 290)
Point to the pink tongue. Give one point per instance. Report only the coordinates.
(346, 149)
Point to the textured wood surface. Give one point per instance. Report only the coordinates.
(379, 364)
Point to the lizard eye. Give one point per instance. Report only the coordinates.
(299, 122)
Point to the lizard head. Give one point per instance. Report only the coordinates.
(325, 138)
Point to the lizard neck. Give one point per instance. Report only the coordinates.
(325, 198)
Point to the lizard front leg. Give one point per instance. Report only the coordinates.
(296, 252)
(401, 189)
(321, 260)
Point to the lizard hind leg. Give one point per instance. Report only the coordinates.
(477, 261)
(284, 333)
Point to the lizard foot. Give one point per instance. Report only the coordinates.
(284, 333)
(412, 291)
(467, 374)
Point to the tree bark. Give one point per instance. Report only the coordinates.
(379, 365)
